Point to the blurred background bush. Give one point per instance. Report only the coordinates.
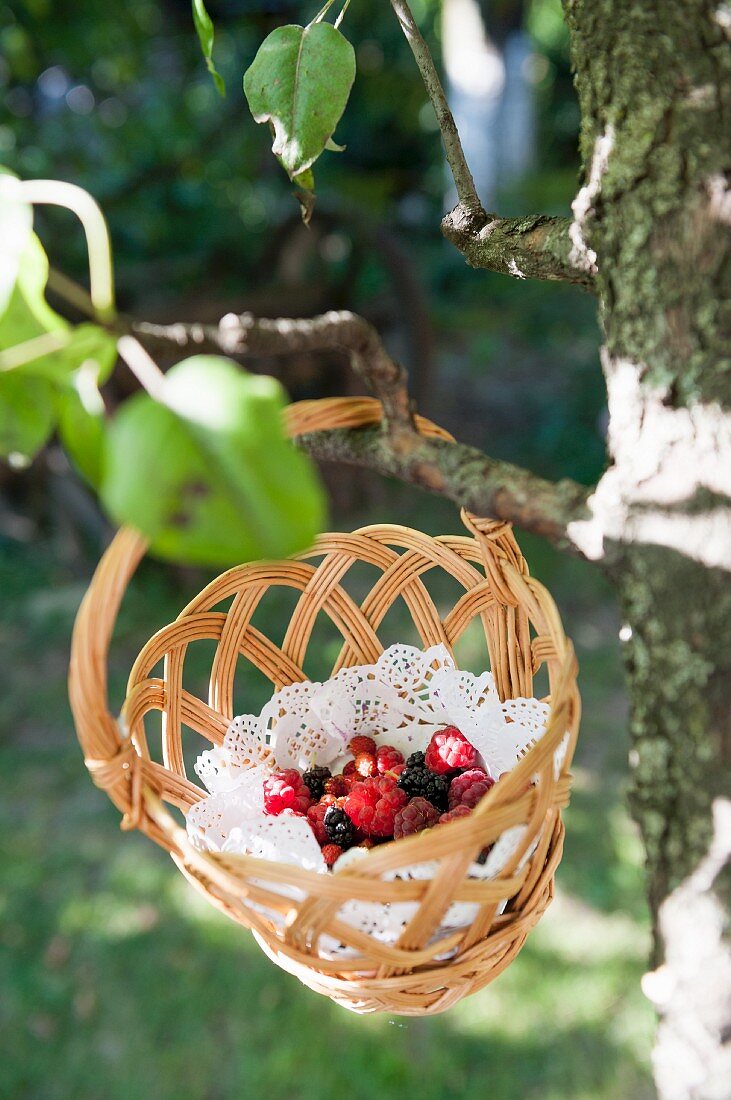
(117, 981)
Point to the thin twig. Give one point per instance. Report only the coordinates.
(533, 247)
(466, 191)
(245, 335)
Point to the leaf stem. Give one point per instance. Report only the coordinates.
(71, 197)
(463, 181)
(322, 13)
(21, 354)
(143, 367)
(340, 18)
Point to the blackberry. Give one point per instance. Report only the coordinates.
(340, 828)
(314, 780)
(419, 782)
(416, 760)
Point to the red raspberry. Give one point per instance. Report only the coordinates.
(453, 815)
(396, 770)
(316, 818)
(327, 800)
(349, 768)
(337, 785)
(365, 764)
(468, 788)
(449, 750)
(366, 842)
(286, 790)
(418, 814)
(373, 804)
(362, 744)
(388, 758)
(331, 852)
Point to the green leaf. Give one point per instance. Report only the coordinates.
(299, 82)
(205, 32)
(28, 317)
(16, 224)
(27, 313)
(209, 476)
(27, 416)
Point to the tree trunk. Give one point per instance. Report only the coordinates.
(652, 217)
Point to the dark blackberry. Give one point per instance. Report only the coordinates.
(340, 828)
(314, 780)
(416, 760)
(419, 782)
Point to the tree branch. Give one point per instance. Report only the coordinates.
(533, 247)
(464, 475)
(395, 448)
(243, 334)
(466, 191)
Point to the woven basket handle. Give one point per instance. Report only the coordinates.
(108, 753)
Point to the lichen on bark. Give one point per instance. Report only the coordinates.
(653, 80)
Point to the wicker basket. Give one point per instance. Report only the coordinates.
(420, 974)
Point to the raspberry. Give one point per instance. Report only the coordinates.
(337, 785)
(339, 828)
(314, 780)
(366, 842)
(285, 791)
(418, 782)
(331, 852)
(316, 818)
(349, 768)
(388, 758)
(362, 744)
(373, 804)
(365, 764)
(468, 788)
(418, 814)
(453, 815)
(449, 750)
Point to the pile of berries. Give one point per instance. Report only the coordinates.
(379, 796)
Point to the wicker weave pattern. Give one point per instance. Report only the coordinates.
(522, 631)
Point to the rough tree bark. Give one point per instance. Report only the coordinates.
(652, 216)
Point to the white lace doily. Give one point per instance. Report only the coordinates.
(400, 701)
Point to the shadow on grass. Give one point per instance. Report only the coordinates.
(120, 982)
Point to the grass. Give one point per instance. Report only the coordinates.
(120, 982)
